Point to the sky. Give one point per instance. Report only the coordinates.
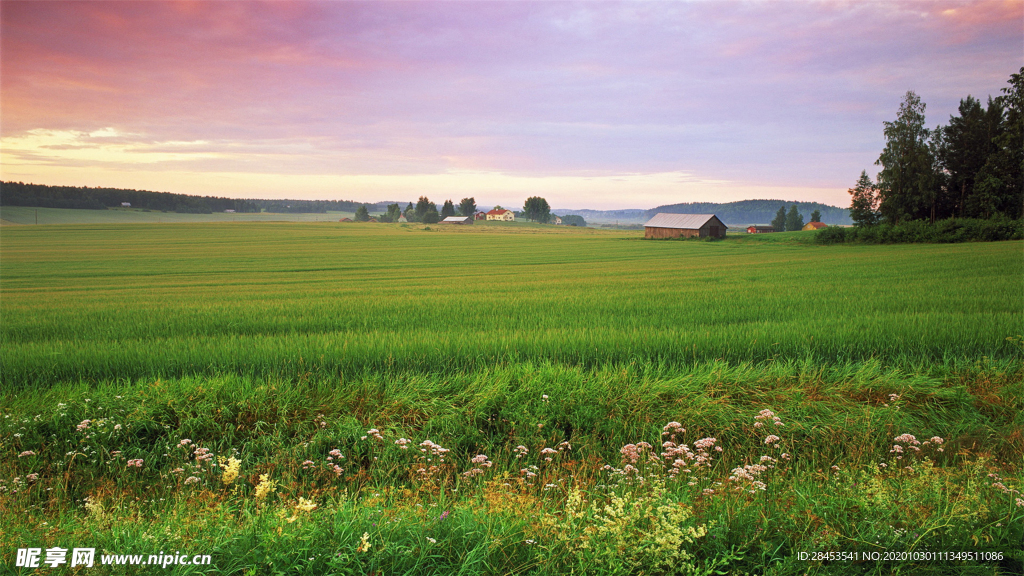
(600, 105)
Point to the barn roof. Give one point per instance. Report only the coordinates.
(497, 212)
(456, 219)
(683, 221)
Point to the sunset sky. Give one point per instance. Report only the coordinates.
(598, 105)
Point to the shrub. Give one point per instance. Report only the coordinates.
(921, 231)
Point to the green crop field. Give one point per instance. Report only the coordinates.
(316, 397)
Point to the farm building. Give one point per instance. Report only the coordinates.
(480, 216)
(684, 226)
(760, 229)
(503, 215)
(556, 220)
(814, 226)
(345, 220)
(402, 219)
(457, 220)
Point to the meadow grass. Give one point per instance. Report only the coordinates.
(538, 369)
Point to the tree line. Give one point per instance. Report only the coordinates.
(793, 220)
(85, 197)
(754, 211)
(971, 168)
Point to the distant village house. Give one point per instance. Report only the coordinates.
(126, 204)
(684, 226)
(760, 229)
(502, 215)
(814, 226)
(480, 216)
(457, 220)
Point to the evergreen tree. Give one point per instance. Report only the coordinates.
(794, 220)
(467, 207)
(448, 209)
(431, 216)
(816, 216)
(779, 223)
(410, 213)
(362, 214)
(1000, 182)
(864, 204)
(422, 206)
(961, 149)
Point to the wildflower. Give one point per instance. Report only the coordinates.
(184, 442)
(307, 464)
(443, 515)
(364, 543)
(544, 397)
(431, 540)
(26, 453)
(338, 470)
(32, 477)
(230, 466)
(191, 480)
(374, 433)
(84, 425)
(94, 507)
(304, 506)
(402, 443)
(771, 438)
(117, 427)
(137, 463)
(203, 455)
(521, 451)
(265, 487)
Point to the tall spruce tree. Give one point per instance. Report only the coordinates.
(816, 216)
(779, 223)
(467, 207)
(864, 202)
(448, 209)
(794, 220)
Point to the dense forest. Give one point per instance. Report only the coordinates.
(755, 211)
(42, 196)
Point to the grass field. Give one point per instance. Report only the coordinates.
(333, 360)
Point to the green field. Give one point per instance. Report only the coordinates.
(278, 342)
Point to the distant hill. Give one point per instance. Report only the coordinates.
(629, 216)
(756, 211)
(42, 196)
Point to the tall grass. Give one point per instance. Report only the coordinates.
(322, 300)
(142, 364)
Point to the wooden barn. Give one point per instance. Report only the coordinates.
(760, 229)
(684, 226)
(458, 220)
(814, 226)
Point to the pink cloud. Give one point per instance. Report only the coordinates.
(753, 92)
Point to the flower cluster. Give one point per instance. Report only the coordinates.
(481, 462)
(429, 452)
